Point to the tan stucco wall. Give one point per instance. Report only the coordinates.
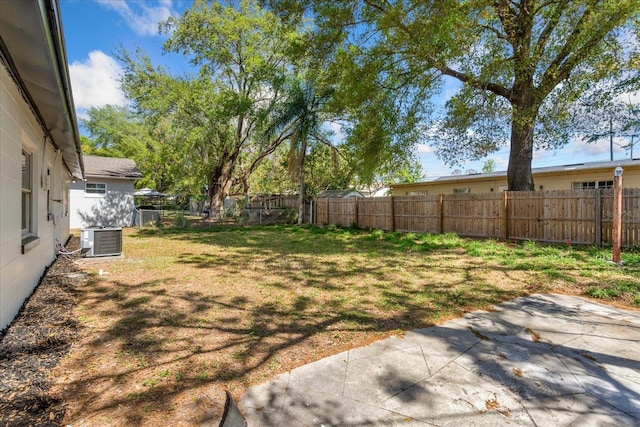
(548, 181)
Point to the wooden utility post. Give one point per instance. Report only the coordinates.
(617, 213)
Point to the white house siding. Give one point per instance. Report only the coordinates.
(113, 209)
(20, 273)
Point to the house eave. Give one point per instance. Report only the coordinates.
(550, 170)
(126, 178)
(32, 50)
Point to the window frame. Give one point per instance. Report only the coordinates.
(99, 189)
(26, 187)
(28, 223)
(591, 185)
(465, 190)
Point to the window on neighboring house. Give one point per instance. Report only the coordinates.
(27, 196)
(417, 193)
(587, 185)
(95, 188)
(461, 190)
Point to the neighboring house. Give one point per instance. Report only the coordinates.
(106, 197)
(380, 192)
(39, 147)
(567, 177)
(340, 194)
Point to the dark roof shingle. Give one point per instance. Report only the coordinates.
(111, 167)
(340, 193)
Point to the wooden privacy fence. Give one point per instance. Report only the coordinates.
(279, 202)
(577, 216)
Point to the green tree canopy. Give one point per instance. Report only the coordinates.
(116, 131)
(524, 68)
(217, 119)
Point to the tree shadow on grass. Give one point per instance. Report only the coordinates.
(489, 368)
(206, 339)
(211, 337)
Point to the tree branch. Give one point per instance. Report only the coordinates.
(270, 149)
(496, 32)
(507, 19)
(322, 140)
(465, 78)
(478, 84)
(569, 57)
(538, 49)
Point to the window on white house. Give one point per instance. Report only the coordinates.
(27, 197)
(461, 190)
(417, 193)
(95, 188)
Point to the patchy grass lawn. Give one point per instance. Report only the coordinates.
(190, 312)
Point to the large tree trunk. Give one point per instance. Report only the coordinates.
(219, 185)
(519, 175)
(245, 191)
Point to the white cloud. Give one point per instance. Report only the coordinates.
(502, 163)
(424, 149)
(600, 147)
(578, 151)
(336, 128)
(95, 82)
(593, 148)
(141, 17)
(630, 97)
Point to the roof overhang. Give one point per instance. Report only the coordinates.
(123, 178)
(32, 48)
(549, 170)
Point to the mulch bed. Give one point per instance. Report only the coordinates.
(33, 345)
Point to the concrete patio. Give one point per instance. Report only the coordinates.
(543, 360)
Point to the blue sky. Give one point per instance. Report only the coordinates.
(95, 29)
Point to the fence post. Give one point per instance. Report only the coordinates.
(441, 214)
(393, 215)
(598, 218)
(326, 211)
(357, 223)
(505, 217)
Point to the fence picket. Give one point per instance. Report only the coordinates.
(577, 216)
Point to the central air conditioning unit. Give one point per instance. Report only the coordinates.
(101, 241)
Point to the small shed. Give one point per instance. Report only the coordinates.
(148, 196)
(340, 194)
